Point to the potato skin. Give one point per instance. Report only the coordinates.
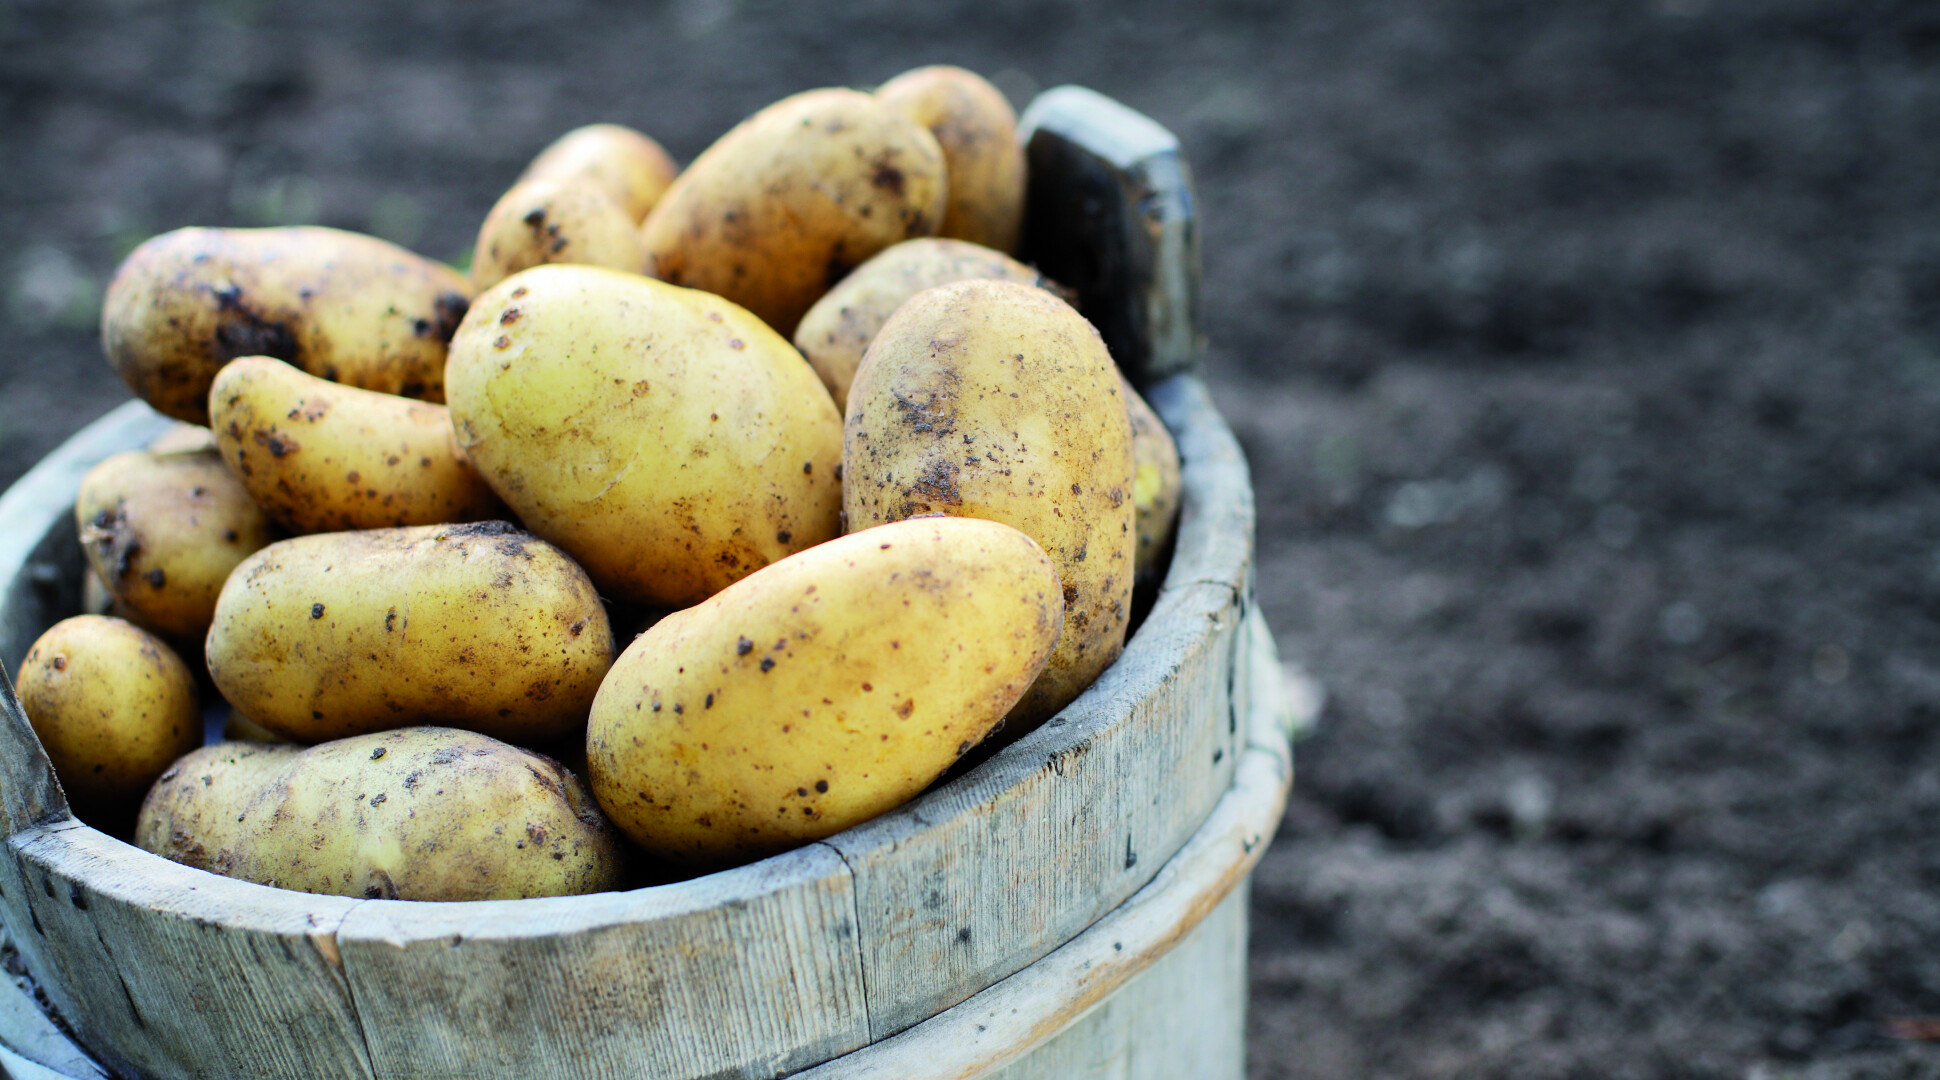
(113, 706)
(1156, 484)
(821, 691)
(837, 330)
(631, 168)
(665, 437)
(423, 813)
(477, 626)
(548, 221)
(320, 457)
(352, 309)
(784, 205)
(996, 400)
(163, 531)
(977, 129)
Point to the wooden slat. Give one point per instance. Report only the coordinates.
(163, 969)
(28, 1034)
(748, 973)
(1008, 1024)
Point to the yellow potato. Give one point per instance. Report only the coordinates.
(625, 164)
(183, 438)
(548, 221)
(783, 206)
(1156, 485)
(163, 531)
(977, 129)
(665, 437)
(477, 626)
(996, 400)
(420, 814)
(821, 691)
(320, 457)
(837, 330)
(112, 705)
(352, 309)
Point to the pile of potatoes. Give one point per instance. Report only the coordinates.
(855, 488)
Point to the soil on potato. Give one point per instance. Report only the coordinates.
(1587, 357)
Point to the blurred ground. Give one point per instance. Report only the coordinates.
(1588, 360)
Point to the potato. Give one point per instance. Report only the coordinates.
(665, 437)
(163, 531)
(424, 813)
(836, 331)
(320, 457)
(348, 308)
(783, 206)
(183, 438)
(112, 705)
(977, 129)
(632, 169)
(477, 626)
(996, 400)
(1156, 484)
(548, 221)
(822, 690)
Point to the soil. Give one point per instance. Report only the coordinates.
(1586, 354)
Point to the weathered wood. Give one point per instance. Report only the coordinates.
(1110, 214)
(29, 1039)
(161, 969)
(748, 973)
(1013, 1020)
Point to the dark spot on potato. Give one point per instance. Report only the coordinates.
(710, 702)
(536, 217)
(390, 624)
(503, 342)
(1070, 595)
(743, 647)
(867, 688)
(451, 308)
(60, 663)
(316, 611)
(511, 316)
(801, 792)
(784, 536)
(277, 443)
(243, 332)
(378, 798)
(908, 706)
(767, 663)
(808, 468)
(379, 752)
(888, 177)
(157, 578)
(229, 536)
(577, 627)
(822, 785)
(677, 709)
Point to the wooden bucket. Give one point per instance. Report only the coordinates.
(1072, 906)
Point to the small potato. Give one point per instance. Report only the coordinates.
(112, 705)
(352, 309)
(478, 626)
(182, 439)
(320, 457)
(784, 205)
(821, 691)
(547, 221)
(996, 400)
(665, 437)
(837, 330)
(631, 168)
(975, 125)
(1156, 484)
(163, 531)
(424, 813)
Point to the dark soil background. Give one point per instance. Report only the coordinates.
(1587, 355)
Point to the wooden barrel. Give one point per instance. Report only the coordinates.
(1072, 902)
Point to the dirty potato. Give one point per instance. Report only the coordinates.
(630, 167)
(549, 221)
(320, 457)
(784, 205)
(996, 400)
(163, 531)
(424, 813)
(821, 691)
(112, 705)
(478, 626)
(977, 129)
(836, 331)
(352, 309)
(1156, 484)
(665, 437)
